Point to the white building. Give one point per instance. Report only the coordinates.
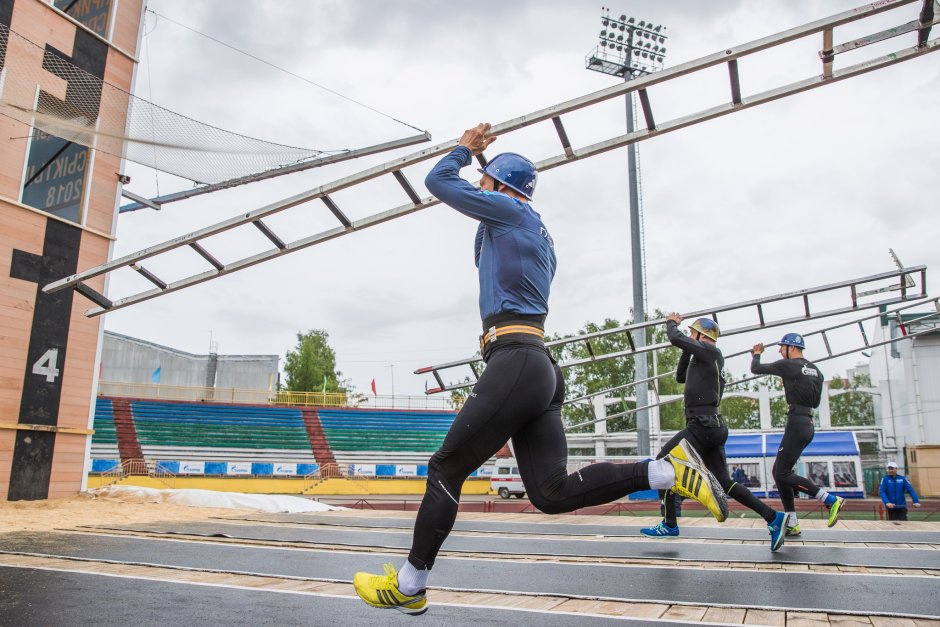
(131, 360)
(907, 375)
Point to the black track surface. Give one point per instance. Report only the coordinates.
(38, 597)
(637, 548)
(626, 531)
(865, 594)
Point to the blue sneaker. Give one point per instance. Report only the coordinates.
(777, 529)
(660, 530)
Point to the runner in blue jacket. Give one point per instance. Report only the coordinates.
(893, 487)
(521, 391)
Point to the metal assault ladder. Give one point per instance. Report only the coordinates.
(210, 267)
(855, 293)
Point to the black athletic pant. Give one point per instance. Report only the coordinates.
(797, 435)
(897, 513)
(707, 435)
(519, 396)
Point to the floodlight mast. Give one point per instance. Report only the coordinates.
(629, 49)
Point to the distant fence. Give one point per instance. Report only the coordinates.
(273, 469)
(272, 397)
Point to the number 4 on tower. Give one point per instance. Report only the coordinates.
(46, 365)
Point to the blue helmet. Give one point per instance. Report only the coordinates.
(513, 171)
(793, 339)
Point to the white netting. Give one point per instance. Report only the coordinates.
(97, 114)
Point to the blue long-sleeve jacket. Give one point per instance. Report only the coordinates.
(513, 250)
(893, 489)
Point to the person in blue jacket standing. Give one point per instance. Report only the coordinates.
(893, 487)
(520, 393)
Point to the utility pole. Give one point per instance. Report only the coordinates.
(629, 49)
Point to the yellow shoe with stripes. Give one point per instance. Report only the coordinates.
(693, 481)
(382, 591)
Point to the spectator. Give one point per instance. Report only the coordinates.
(892, 492)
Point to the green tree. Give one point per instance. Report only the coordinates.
(611, 373)
(671, 415)
(596, 376)
(311, 366)
(851, 408)
(740, 412)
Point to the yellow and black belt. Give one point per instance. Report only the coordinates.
(496, 332)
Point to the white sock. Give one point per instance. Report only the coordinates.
(411, 580)
(791, 519)
(661, 474)
(822, 495)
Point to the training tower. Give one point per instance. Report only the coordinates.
(58, 204)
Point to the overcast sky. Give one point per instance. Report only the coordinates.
(809, 190)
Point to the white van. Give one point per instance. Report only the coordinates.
(506, 480)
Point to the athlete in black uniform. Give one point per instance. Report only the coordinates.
(700, 369)
(802, 385)
(520, 394)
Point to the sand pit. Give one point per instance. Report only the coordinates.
(137, 505)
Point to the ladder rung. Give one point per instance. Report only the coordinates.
(150, 276)
(481, 159)
(647, 111)
(206, 255)
(563, 136)
(405, 185)
(760, 314)
(94, 296)
(277, 241)
(336, 211)
(590, 349)
(825, 339)
(735, 81)
(864, 335)
(827, 54)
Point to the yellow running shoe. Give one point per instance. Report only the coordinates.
(382, 591)
(834, 510)
(693, 481)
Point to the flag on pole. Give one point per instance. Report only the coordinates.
(374, 393)
(425, 386)
(155, 377)
(324, 384)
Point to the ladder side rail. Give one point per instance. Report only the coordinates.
(346, 155)
(520, 122)
(880, 36)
